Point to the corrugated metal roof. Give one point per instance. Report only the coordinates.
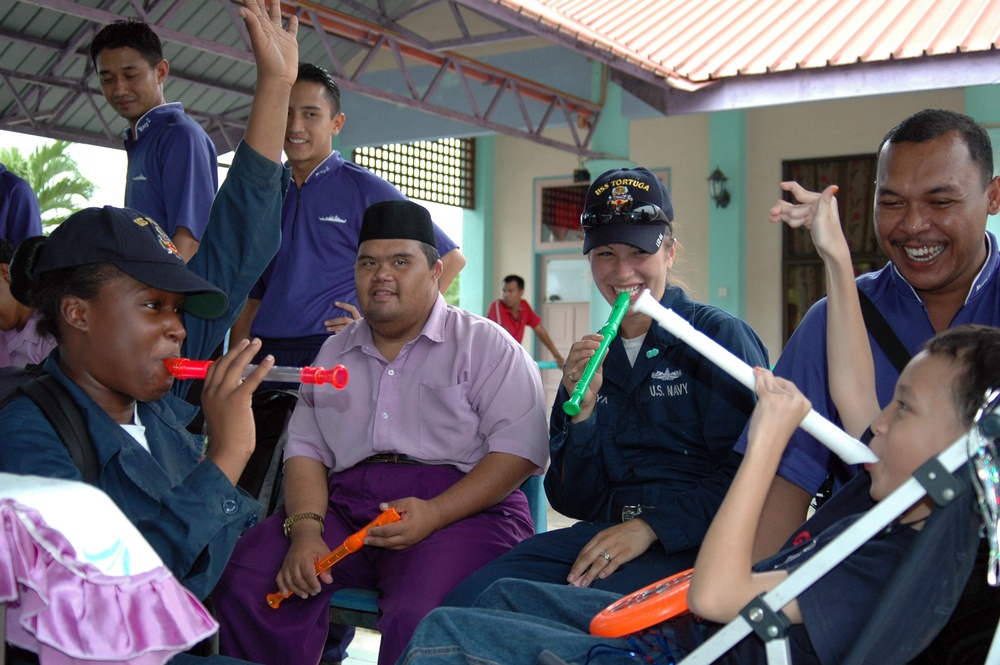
(693, 42)
(479, 67)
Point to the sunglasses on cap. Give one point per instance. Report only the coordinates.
(647, 214)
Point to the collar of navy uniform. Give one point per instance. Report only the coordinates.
(989, 269)
(331, 160)
(144, 121)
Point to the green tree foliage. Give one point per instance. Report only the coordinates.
(451, 295)
(54, 176)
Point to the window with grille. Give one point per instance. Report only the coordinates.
(561, 207)
(558, 206)
(441, 171)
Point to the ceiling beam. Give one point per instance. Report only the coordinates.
(494, 10)
(369, 39)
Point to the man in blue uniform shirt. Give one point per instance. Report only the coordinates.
(172, 164)
(308, 290)
(934, 191)
(20, 217)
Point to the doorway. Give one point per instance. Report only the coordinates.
(565, 309)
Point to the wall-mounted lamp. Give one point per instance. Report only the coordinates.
(717, 188)
(580, 173)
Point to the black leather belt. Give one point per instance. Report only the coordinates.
(390, 458)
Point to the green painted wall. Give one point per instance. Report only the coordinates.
(982, 102)
(612, 138)
(477, 234)
(727, 226)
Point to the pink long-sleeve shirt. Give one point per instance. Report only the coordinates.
(458, 391)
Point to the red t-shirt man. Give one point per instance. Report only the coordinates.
(514, 314)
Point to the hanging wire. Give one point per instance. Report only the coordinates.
(648, 646)
(983, 458)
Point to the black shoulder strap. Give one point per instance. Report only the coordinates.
(898, 356)
(64, 414)
(883, 334)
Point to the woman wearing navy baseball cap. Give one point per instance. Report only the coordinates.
(648, 459)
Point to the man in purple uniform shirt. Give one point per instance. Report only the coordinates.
(20, 216)
(934, 189)
(172, 164)
(443, 419)
(307, 292)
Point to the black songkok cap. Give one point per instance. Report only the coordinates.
(397, 220)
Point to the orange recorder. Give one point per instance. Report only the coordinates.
(352, 544)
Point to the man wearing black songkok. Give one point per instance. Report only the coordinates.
(443, 419)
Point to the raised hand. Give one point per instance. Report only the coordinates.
(277, 56)
(334, 326)
(227, 398)
(275, 48)
(849, 357)
(816, 211)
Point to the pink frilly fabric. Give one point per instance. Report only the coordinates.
(68, 611)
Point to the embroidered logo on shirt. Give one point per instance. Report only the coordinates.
(139, 178)
(670, 390)
(333, 218)
(666, 376)
(144, 126)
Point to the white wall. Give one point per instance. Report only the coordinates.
(680, 143)
(517, 164)
(845, 127)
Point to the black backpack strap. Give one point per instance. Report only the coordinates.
(883, 333)
(889, 342)
(58, 406)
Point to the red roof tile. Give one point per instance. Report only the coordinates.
(693, 42)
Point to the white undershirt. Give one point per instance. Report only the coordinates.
(136, 429)
(632, 347)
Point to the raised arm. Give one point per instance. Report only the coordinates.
(849, 355)
(453, 262)
(277, 55)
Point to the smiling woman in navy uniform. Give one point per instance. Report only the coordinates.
(647, 461)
